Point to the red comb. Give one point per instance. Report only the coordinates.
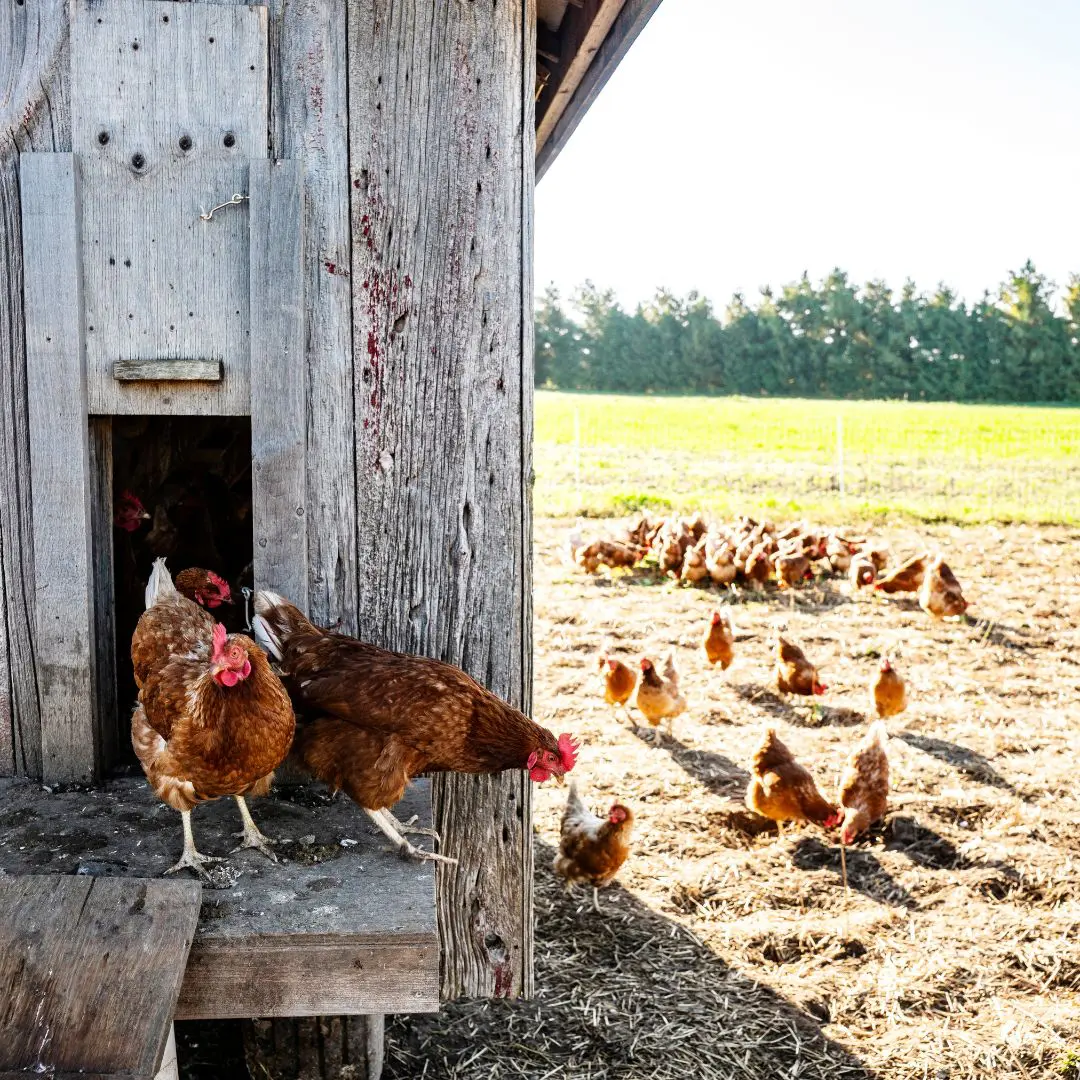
(215, 579)
(568, 751)
(221, 635)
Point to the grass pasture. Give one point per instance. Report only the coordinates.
(722, 953)
(598, 455)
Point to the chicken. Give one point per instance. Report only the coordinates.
(212, 720)
(657, 698)
(642, 531)
(794, 673)
(670, 545)
(839, 553)
(611, 553)
(719, 639)
(940, 594)
(759, 565)
(889, 690)
(792, 570)
(720, 560)
(619, 681)
(206, 588)
(783, 790)
(694, 568)
(130, 513)
(905, 578)
(380, 718)
(592, 848)
(863, 790)
(862, 571)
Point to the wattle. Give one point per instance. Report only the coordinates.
(538, 774)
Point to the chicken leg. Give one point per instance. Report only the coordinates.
(388, 824)
(252, 838)
(596, 900)
(191, 859)
(410, 828)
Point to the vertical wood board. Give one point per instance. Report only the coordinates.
(113, 730)
(279, 382)
(436, 130)
(60, 480)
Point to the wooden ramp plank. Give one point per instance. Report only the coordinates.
(90, 970)
(341, 925)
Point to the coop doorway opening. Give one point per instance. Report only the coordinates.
(182, 492)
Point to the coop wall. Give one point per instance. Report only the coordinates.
(413, 123)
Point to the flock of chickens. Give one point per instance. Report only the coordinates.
(780, 788)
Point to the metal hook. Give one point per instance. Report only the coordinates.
(234, 201)
(245, 590)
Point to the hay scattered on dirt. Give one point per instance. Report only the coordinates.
(723, 953)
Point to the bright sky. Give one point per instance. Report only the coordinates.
(743, 141)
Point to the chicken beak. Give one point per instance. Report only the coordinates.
(559, 778)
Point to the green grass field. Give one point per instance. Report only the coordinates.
(600, 455)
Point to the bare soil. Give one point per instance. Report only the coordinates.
(724, 952)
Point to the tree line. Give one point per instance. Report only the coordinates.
(833, 340)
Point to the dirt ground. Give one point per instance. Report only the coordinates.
(723, 952)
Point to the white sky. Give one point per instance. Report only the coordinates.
(744, 141)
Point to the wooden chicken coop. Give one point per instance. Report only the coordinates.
(268, 268)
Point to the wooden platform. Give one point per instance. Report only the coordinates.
(75, 953)
(342, 925)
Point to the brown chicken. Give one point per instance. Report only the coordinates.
(592, 849)
(905, 578)
(619, 681)
(794, 673)
(380, 718)
(694, 567)
(862, 572)
(863, 791)
(792, 570)
(206, 588)
(657, 698)
(940, 594)
(720, 560)
(719, 639)
(212, 720)
(889, 690)
(783, 790)
(612, 553)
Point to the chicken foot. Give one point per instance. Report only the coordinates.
(410, 828)
(191, 859)
(252, 838)
(388, 825)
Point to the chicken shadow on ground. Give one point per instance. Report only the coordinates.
(931, 851)
(991, 632)
(865, 873)
(799, 716)
(973, 765)
(718, 773)
(624, 994)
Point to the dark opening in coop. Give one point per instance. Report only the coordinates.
(181, 491)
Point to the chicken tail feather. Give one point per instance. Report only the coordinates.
(160, 584)
(276, 621)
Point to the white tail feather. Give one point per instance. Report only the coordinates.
(160, 583)
(266, 637)
(878, 732)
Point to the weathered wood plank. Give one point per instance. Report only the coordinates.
(34, 114)
(75, 954)
(632, 19)
(309, 107)
(113, 731)
(342, 925)
(436, 130)
(168, 370)
(352, 1043)
(160, 282)
(279, 382)
(60, 480)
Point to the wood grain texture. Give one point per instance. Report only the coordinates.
(75, 954)
(160, 283)
(279, 383)
(168, 370)
(309, 107)
(632, 19)
(342, 925)
(60, 480)
(114, 732)
(320, 1047)
(34, 115)
(436, 130)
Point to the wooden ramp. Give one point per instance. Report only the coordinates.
(341, 926)
(90, 970)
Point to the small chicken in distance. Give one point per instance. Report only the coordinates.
(130, 512)
(863, 791)
(592, 849)
(794, 673)
(783, 790)
(204, 587)
(862, 571)
(905, 578)
(940, 594)
(619, 681)
(792, 570)
(657, 698)
(889, 690)
(719, 639)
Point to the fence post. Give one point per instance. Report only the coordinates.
(840, 455)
